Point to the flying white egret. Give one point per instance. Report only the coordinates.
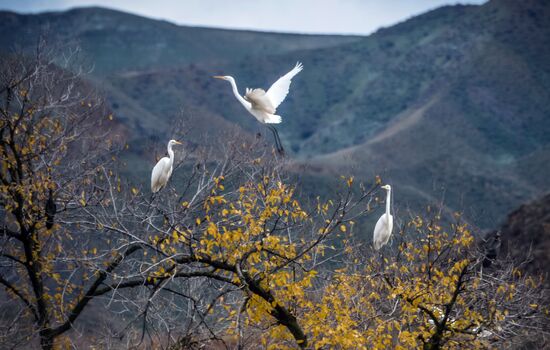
(384, 225)
(263, 105)
(163, 169)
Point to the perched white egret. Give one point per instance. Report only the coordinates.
(263, 105)
(384, 225)
(163, 169)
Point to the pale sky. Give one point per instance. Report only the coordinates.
(300, 16)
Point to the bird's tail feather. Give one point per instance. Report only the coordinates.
(273, 119)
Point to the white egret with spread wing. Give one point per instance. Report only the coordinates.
(263, 104)
(384, 225)
(163, 169)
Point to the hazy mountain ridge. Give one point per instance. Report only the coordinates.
(449, 105)
(116, 41)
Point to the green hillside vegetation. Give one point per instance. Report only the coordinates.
(115, 41)
(451, 106)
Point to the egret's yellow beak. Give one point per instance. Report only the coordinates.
(218, 77)
(179, 143)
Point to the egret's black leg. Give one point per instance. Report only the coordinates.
(281, 149)
(278, 143)
(274, 136)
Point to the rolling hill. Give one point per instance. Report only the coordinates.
(115, 41)
(525, 236)
(450, 106)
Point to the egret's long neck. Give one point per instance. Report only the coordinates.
(171, 154)
(244, 102)
(388, 200)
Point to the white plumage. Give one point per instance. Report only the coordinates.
(163, 169)
(278, 91)
(384, 225)
(263, 105)
(259, 100)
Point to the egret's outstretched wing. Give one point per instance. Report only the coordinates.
(259, 100)
(278, 91)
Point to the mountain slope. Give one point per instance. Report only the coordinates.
(116, 41)
(130, 54)
(479, 122)
(450, 106)
(526, 236)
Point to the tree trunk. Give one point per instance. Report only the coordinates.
(434, 343)
(46, 340)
